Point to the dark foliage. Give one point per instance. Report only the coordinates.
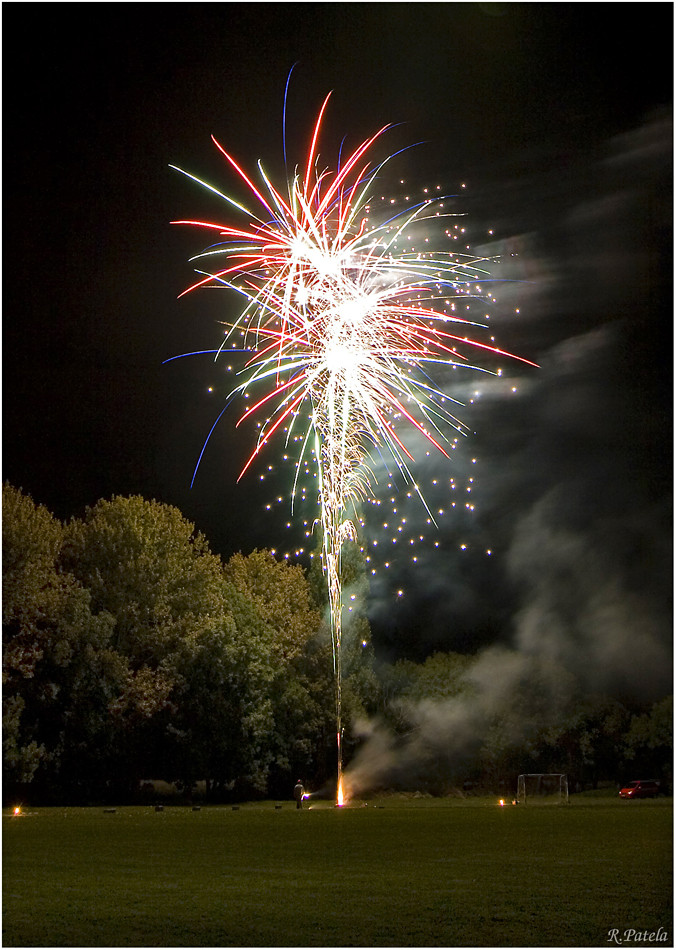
(131, 653)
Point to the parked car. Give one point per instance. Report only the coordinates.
(640, 789)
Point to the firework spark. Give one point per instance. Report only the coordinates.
(344, 330)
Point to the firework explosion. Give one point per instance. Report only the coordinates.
(345, 323)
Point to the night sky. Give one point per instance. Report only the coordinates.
(557, 118)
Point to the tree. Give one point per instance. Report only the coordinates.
(281, 594)
(649, 742)
(58, 670)
(441, 677)
(31, 540)
(586, 741)
(145, 564)
(301, 689)
(223, 721)
(20, 757)
(131, 652)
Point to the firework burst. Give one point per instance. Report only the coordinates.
(344, 331)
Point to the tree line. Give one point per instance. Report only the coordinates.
(131, 651)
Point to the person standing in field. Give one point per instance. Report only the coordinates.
(298, 793)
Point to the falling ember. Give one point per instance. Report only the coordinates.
(343, 330)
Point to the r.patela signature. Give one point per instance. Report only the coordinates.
(615, 935)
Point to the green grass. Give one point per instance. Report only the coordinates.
(411, 873)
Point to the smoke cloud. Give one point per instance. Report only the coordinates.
(502, 689)
(565, 562)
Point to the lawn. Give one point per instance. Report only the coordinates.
(441, 873)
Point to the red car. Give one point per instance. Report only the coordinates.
(640, 790)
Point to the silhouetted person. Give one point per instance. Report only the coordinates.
(298, 793)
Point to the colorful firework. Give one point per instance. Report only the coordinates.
(345, 329)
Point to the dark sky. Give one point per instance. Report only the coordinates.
(558, 119)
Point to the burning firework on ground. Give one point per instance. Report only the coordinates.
(346, 316)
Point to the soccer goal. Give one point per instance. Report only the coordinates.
(542, 788)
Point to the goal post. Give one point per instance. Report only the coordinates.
(540, 788)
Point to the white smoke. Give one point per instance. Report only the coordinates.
(501, 689)
(573, 483)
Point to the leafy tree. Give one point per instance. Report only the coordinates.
(442, 676)
(222, 725)
(586, 742)
(282, 597)
(31, 540)
(301, 689)
(144, 563)
(58, 669)
(21, 757)
(146, 566)
(649, 742)
(79, 679)
(131, 652)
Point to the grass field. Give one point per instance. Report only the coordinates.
(440, 873)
